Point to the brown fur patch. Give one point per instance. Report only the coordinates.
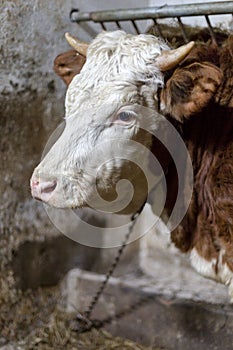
(190, 89)
(208, 134)
(68, 64)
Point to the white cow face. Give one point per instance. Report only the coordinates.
(107, 126)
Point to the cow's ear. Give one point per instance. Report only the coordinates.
(68, 64)
(190, 89)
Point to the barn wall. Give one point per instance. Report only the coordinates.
(31, 106)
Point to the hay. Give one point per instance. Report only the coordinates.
(58, 335)
(172, 34)
(37, 321)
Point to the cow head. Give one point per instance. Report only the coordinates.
(122, 73)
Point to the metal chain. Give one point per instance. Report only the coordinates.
(84, 321)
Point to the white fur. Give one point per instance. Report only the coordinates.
(115, 63)
(201, 265)
(214, 269)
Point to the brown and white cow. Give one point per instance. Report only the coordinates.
(194, 93)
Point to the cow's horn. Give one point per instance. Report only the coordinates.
(78, 45)
(171, 58)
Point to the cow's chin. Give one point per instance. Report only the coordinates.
(57, 200)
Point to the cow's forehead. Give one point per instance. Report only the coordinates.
(116, 64)
(122, 43)
(100, 96)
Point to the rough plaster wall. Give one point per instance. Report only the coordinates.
(31, 105)
(31, 98)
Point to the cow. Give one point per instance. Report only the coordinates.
(193, 88)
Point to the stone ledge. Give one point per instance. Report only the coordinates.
(141, 312)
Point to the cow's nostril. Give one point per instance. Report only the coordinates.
(48, 187)
(42, 189)
(34, 183)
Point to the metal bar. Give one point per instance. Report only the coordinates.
(181, 25)
(118, 25)
(103, 26)
(194, 9)
(135, 27)
(158, 27)
(85, 16)
(211, 30)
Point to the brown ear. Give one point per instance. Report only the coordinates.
(190, 89)
(68, 64)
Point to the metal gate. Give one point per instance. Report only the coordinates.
(155, 14)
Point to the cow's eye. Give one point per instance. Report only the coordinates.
(125, 117)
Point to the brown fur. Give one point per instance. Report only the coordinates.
(200, 95)
(68, 64)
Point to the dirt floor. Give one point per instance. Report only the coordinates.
(36, 321)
